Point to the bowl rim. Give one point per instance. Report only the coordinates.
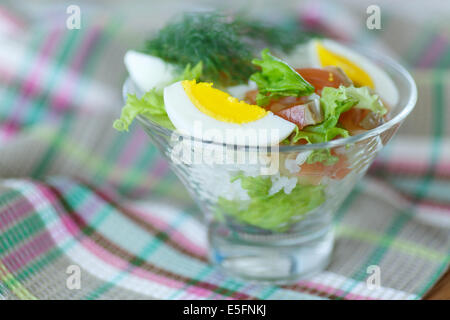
(398, 118)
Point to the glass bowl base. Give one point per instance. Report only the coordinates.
(270, 258)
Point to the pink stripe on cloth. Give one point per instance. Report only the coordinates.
(442, 208)
(68, 229)
(322, 288)
(13, 20)
(91, 205)
(160, 169)
(433, 52)
(88, 208)
(141, 273)
(45, 193)
(407, 199)
(315, 16)
(27, 252)
(29, 85)
(16, 211)
(8, 130)
(44, 242)
(6, 74)
(198, 291)
(63, 94)
(115, 261)
(72, 231)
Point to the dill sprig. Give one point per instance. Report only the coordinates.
(283, 36)
(225, 45)
(207, 37)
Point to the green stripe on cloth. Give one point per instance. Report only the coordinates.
(143, 255)
(15, 286)
(444, 61)
(73, 35)
(68, 44)
(403, 216)
(47, 218)
(70, 204)
(391, 242)
(8, 195)
(438, 130)
(345, 207)
(20, 232)
(53, 254)
(111, 155)
(112, 26)
(136, 177)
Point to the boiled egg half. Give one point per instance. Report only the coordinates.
(147, 71)
(198, 109)
(361, 70)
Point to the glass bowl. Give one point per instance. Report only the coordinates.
(268, 210)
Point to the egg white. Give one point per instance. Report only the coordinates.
(240, 90)
(147, 71)
(191, 121)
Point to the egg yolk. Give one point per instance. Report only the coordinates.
(219, 104)
(356, 74)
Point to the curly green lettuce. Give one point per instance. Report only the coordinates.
(151, 105)
(277, 79)
(190, 73)
(322, 155)
(274, 212)
(366, 99)
(333, 102)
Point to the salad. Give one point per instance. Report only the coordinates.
(231, 75)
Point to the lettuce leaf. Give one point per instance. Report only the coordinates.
(333, 102)
(322, 155)
(151, 105)
(272, 212)
(190, 73)
(366, 100)
(277, 79)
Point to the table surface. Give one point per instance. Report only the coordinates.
(441, 290)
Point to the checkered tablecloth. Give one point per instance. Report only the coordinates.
(74, 192)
